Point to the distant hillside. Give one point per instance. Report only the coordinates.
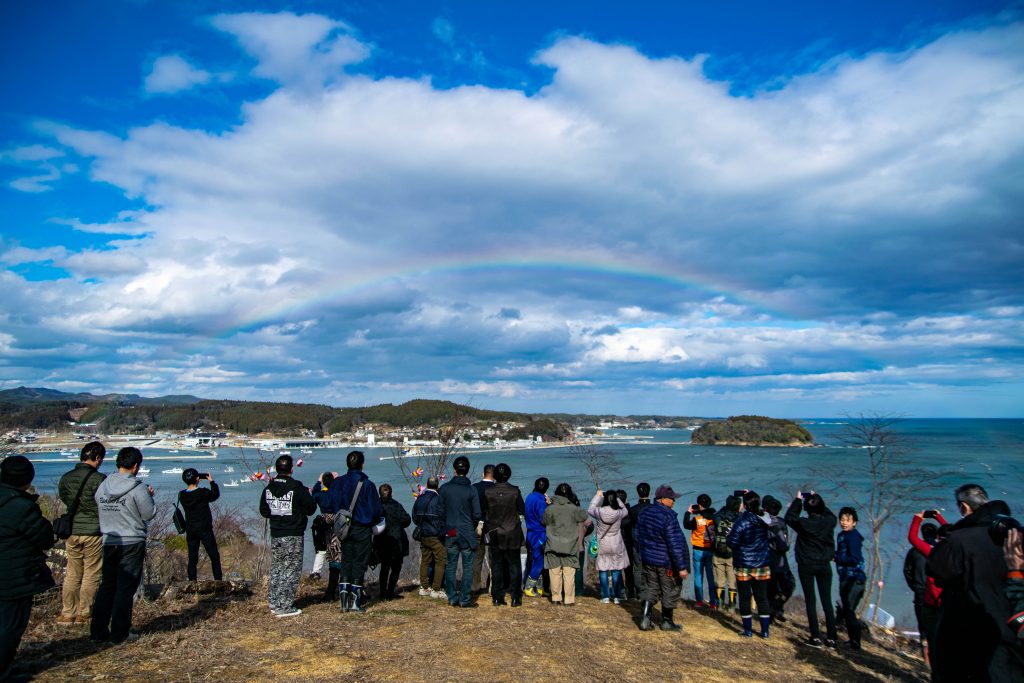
(752, 430)
(26, 395)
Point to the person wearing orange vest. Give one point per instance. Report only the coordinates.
(699, 519)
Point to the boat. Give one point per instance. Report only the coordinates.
(306, 451)
(174, 470)
(68, 454)
(231, 483)
(284, 453)
(229, 469)
(174, 450)
(143, 472)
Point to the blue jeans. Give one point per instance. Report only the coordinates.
(702, 564)
(614, 588)
(467, 555)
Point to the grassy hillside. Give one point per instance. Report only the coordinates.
(752, 430)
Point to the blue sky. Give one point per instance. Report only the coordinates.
(790, 209)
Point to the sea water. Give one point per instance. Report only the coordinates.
(955, 451)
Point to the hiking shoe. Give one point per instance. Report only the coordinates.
(815, 643)
(425, 592)
(290, 612)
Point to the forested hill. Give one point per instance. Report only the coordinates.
(752, 430)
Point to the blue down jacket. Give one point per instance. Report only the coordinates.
(749, 540)
(659, 539)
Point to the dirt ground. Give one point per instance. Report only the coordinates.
(196, 638)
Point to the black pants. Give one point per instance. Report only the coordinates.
(122, 574)
(850, 593)
(780, 588)
(658, 585)
(14, 616)
(822, 576)
(627, 574)
(389, 550)
(760, 590)
(355, 554)
(506, 572)
(209, 542)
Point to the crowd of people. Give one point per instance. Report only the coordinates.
(967, 577)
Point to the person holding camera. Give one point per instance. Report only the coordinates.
(927, 595)
(815, 549)
(195, 502)
(699, 519)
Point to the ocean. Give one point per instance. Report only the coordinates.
(955, 451)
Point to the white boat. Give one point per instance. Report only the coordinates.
(229, 469)
(284, 453)
(174, 450)
(174, 470)
(231, 483)
(306, 451)
(143, 472)
(68, 454)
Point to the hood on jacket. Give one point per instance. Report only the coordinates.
(117, 484)
(983, 516)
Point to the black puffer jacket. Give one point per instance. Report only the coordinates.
(815, 536)
(25, 536)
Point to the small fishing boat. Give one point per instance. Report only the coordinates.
(174, 470)
(229, 469)
(143, 472)
(306, 451)
(174, 450)
(284, 453)
(231, 484)
(68, 454)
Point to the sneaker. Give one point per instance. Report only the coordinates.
(713, 606)
(130, 638)
(615, 601)
(698, 604)
(425, 592)
(290, 612)
(606, 601)
(814, 642)
(438, 595)
(830, 643)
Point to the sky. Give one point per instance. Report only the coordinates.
(792, 209)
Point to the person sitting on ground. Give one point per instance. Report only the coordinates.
(195, 502)
(815, 548)
(636, 568)
(666, 558)
(748, 540)
(927, 595)
(25, 536)
(286, 502)
(561, 550)
(392, 544)
(429, 516)
(783, 583)
(725, 574)
(321, 532)
(356, 546)
(504, 534)
(850, 569)
(700, 520)
(84, 548)
(611, 551)
(971, 570)
(462, 514)
(481, 565)
(536, 503)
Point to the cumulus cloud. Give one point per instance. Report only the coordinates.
(40, 161)
(172, 74)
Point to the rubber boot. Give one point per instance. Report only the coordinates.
(331, 591)
(748, 627)
(732, 599)
(765, 623)
(666, 621)
(645, 617)
(343, 593)
(720, 594)
(531, 588)
(355, 595)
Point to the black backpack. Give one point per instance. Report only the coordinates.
(723, 525)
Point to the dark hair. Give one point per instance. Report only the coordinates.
(814, 504)
(502, 473)
(354, 460)
(929, 532)
(541, 485)
(752, 502)
(611, 499)
(771, 505)
(732, 503)
(488, 470)
(848, 511)
(433, 483)
(283, 464)
(461, 465)
(326, 479)
(643, 489)
(704, 500)
(622, 495)
(17, 471)
(128, 457)
(972, 494)
(190, 476)
(564, 490)
(93, 451)
(385, 491)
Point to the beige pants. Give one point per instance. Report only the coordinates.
(82, 576)
(563, 579)
(725, 574)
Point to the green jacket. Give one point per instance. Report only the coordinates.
(561, 522)
(25, 536)
(87, 519)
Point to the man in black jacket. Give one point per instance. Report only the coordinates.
(815, 548)
(643, 492)
(504, 534)
(462, 512)
(195, 502)
(481, 567)
(428, 514)
(287, 503)
(25, 536)
(973, 641)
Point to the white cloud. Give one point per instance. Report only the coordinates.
(172, 74)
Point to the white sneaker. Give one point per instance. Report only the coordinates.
(615, 601)
(438, 595)
(606, 601)
(290, 612)
(425, 592)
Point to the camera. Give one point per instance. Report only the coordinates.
(203, 475)
(805, 494)
(930, 514)
(1001, 526)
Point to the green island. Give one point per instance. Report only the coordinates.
(751, 430)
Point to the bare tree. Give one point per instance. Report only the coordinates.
(600, 463)
(434, 459)
(257, 467)
(895, 486)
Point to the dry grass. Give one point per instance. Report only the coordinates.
(198, 638)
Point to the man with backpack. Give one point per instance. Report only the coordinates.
(725, 573)
(84, 547)
(286, 502)
(357, 505)
(195, 501)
